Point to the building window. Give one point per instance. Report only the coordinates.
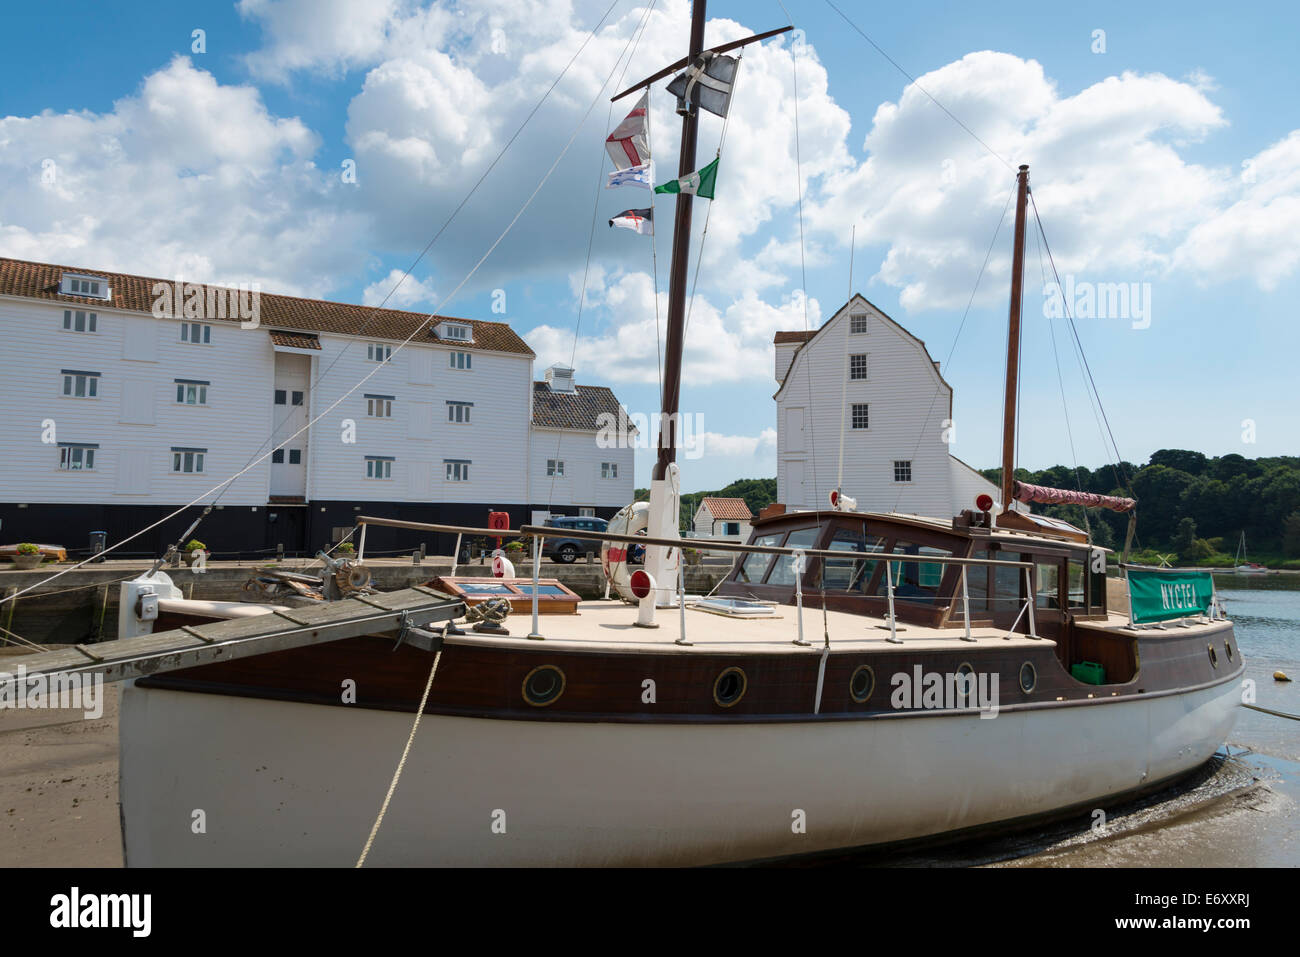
(379, 406)
(80, 385)
(457, 470)
(295, 399)
(78, 320)
(858, 323)
(730, 528)
(295, 456)
(196, 333)
(76, 457)
(281, 397)
(459, 411)
(589, 512)
(609, 470)
(858, 366)
(555, 467)
(379, 467)
(450, 331)
(860, 418)
(378, 352)
(187, 460)
(461, 360)
(902, 470)
(192, 391)
(90, 286)
(277, 457)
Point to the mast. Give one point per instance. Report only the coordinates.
(677, 274)
(1013, 344)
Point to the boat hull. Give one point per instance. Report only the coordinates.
(291, 783)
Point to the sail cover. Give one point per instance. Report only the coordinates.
(1024, 492)
(629, 145)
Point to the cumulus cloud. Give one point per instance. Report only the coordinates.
(396, 292)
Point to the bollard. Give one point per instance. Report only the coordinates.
(279, 552)
(97, 543)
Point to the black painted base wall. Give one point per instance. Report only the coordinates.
(240, 531)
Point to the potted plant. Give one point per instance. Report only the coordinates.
(346, 549)
(514, 551)
(692, 555)
(29, 556)
(192, 546)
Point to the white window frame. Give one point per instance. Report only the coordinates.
(88, 287)
(379, 467)
(196, 333)
(903, 465)
(458, 331)
(77, 456)
(88, 381)
(866, 414)
(378, 352)
(187, 461)
(865, 364)
(458, 413)
(858, 323)
(89, 320)
(191, 392)
(555, 467)
(461, 361)
(609, 470)
(457, 470)
(379, 406)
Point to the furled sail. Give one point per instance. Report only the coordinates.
(1043, 495)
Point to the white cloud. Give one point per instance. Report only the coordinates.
(396, 292)
(187, 177)
(732, 446)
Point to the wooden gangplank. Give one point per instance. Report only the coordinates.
(191, 645)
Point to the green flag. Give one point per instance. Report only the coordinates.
(1162, 595)
(699, 183)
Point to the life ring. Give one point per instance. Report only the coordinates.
(620, 559)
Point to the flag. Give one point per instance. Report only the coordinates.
(642, 175)
(699, 183)
(642, 220)
(628, 145)
(707, 84)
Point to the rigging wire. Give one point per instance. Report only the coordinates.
(492, 248)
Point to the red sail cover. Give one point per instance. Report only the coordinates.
(1024, 492)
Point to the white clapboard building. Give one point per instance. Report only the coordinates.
(124, 397)
(897, 419)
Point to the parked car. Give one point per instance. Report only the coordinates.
(567, 550)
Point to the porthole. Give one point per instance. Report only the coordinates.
(965, 685)
(729, 687)
(1214, 655)
(1028, 677)
(862, 683)
(543, 685)
(1227, 646)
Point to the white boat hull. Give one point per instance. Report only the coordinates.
(282, 783)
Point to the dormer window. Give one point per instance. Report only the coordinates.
(92, 287)
(459, 331)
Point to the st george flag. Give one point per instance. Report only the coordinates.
(628, 145)
(642, 220)
(699, 183)
(642, 176)
(707, 84)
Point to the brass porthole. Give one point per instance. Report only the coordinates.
(862, 683)
(543, 685)
(1028, 677)
(1227, 646)
(1214, 655)
(966, 686)
(729, 687)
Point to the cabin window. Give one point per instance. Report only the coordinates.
(977, 581)
(1074, 593)
(783, 573)
(914, 581)
(1047, 585)
(1007, 582)
(1097, 591)
(755, 566)
(850, 574)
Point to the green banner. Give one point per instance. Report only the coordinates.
(1160, 595)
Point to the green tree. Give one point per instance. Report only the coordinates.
(1291, 535)
(1185, 537)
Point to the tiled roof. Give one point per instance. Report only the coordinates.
(35, 280)
(731, 509)
(794, 336)
(579, 409)
(292, 341)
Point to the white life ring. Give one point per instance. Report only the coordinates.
(632, 519)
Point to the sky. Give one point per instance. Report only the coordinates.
(323, 147)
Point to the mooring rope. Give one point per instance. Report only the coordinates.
(1278, 714)
(397, 775)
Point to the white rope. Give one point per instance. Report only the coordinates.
(397, 775)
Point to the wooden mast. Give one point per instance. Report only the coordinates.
(677, 275)
(1013, 344)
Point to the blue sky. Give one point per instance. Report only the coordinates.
(1167, 160)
